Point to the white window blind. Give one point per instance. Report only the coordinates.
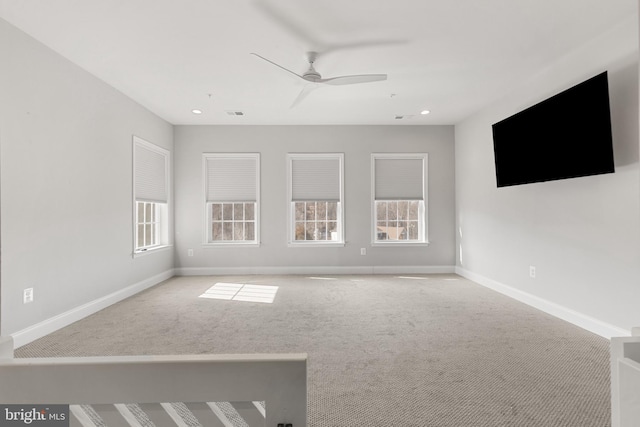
(232, 178)
(150, 172)
(315, 178)
(399, 178)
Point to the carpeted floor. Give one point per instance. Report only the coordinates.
(434, 350)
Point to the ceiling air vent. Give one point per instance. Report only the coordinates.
(235, 113)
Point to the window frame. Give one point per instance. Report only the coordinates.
(291, 222)
(162, 233)
(423, 217)
(208, 205)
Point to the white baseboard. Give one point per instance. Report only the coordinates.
(238, 271)
(433, 269)
(581, 320)
(39, 330)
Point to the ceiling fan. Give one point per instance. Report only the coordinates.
(315, 78)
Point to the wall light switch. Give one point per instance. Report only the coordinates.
(27, 296)
(189, 252)
(532, 272)
(363, 251)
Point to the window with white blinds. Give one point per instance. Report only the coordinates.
(399, 183)
(150, 195)
(315, 198)
(232, 192)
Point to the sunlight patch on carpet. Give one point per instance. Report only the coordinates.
(241, 292)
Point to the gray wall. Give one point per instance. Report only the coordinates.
(65, 140)
(583, 234)
(274, 142)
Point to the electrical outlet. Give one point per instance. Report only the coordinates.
(189, 252)
(532, 272)
(363, 251)
(27, 296)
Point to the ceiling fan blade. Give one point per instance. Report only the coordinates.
(350, 80)
(313, 41)
(289, 24)
(277, 65)
(361, 45)
(306, 90)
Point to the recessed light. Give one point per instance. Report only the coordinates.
(196, 111)
(425, 112)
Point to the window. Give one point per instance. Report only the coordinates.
(232, 188)
(315, 197)
(398, 220)
(233, 221)
(398, 206)
(147, 224)
(151, 195)
(316, 221)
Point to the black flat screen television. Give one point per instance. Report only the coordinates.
(565, 136)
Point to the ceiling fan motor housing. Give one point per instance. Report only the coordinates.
(312, 75)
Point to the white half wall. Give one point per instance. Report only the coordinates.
(66, 185)
(583, 234)
(273, 143)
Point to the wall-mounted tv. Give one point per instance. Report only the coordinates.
(565, 136)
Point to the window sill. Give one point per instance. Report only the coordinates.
(316, 244)
(154, 249)
(231, 245)
(398, 243)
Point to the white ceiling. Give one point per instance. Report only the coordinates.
(448, 56)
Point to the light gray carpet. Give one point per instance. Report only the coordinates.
(383, 351)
